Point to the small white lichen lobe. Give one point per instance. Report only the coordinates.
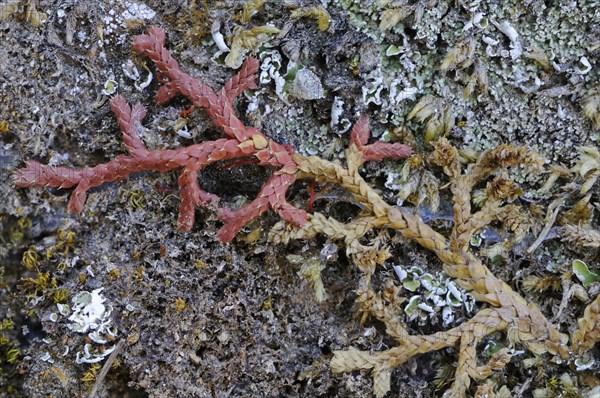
(89, 312)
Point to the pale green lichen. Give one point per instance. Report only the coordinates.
(436, 296)
(583, 273)
(513, 49)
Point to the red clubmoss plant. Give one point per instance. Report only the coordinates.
(242, 142)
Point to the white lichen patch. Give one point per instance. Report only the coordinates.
(218, 38)
(270, 71)
(399, 91)
(135, 10)
(63, 309)
(47, 357)
(338, 123)
(92, 354)
(584, 364)
(131, 71)
(121, 13)
(91, 315)
(110, 87)
(433, 295)
(89, 312)
(371, 93)
(583, 67)
(393, 92)
(510, 32)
